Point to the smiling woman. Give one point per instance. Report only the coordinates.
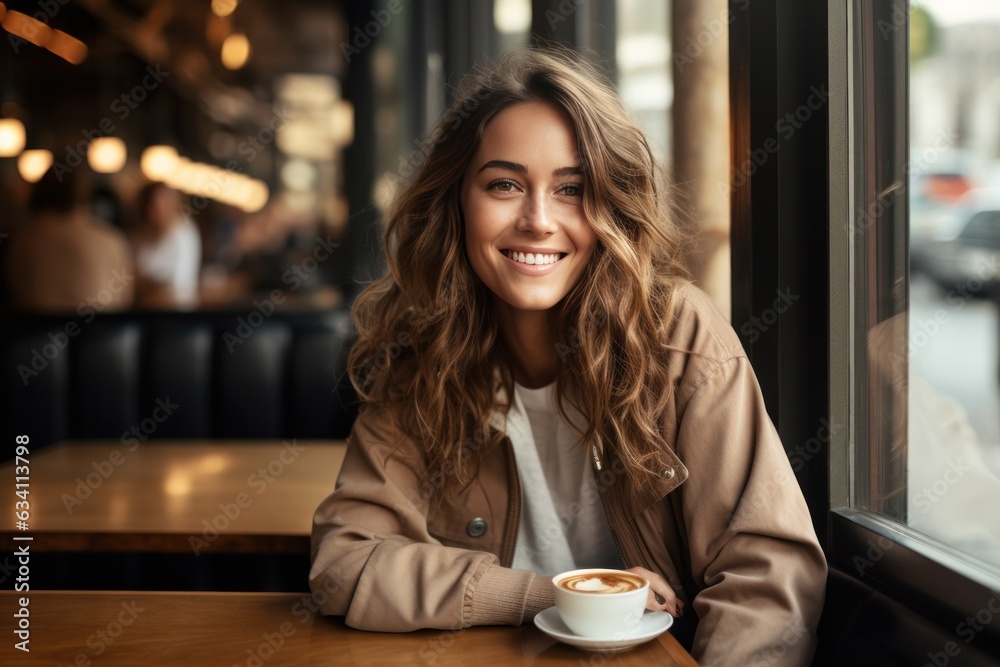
(526, 235)
(544, 391)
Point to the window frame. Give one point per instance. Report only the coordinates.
(922, 574)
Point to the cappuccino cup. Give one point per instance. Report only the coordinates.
(600, 603)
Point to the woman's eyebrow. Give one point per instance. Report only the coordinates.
(521, 169)
(504, 164)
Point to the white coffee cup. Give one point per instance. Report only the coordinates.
(599, 602)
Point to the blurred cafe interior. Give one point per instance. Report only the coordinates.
(193, 194)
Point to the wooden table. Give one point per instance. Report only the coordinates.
(267, 629)
(174, 496)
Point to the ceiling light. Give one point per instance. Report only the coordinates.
(223, 8)
(106, 155)
(158, 162)
(342, 123)
(33, 164)
(67, 47)
(256, 197)
(298, 175)
(235, 51)
(512, 17)
(11, 137)
(27, 28)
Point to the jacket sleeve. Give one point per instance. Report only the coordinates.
(374, 561)
(752, 545)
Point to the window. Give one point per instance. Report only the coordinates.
(932, 458)
(913, 231)
(954, 383)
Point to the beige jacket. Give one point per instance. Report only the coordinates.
(727, 525)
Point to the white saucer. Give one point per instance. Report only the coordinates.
(652, 624)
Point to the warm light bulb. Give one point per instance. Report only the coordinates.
(224, 8)
(298, 175)
(257, 196)
(235, 51)
(158, 162)
(33, 164)
(512, 16)
(67, 47)
(342, 123)
(106, 155)
(11, 137)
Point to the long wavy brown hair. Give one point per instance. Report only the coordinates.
(428, 343)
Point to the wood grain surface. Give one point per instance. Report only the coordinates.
(237, 496)
(266, 629)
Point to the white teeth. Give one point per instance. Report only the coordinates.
(532, 258)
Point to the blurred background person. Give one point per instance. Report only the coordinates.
(62, 259)
(106, 205)
(167, 251)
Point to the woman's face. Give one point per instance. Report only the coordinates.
(522, 197)
(164, 207)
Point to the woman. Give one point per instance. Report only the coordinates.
(167, 250)
(544, 390)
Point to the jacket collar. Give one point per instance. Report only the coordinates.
(609, 469)
(672, 476)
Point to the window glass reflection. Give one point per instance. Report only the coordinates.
(953, 460)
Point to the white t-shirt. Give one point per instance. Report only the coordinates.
(563, 525)
(175, 261)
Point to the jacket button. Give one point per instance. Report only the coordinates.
(476, 528)
(668, 473)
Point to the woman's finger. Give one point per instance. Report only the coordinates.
(661, 596)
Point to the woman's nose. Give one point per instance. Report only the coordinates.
(536, 218)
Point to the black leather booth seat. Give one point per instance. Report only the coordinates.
(175, 375)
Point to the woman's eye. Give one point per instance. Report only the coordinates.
(501, 186)
(572, 189)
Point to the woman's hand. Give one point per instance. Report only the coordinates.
(661, 595)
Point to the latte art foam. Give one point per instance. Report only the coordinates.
(602, 583)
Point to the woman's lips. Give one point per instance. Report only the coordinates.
(533, 258)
